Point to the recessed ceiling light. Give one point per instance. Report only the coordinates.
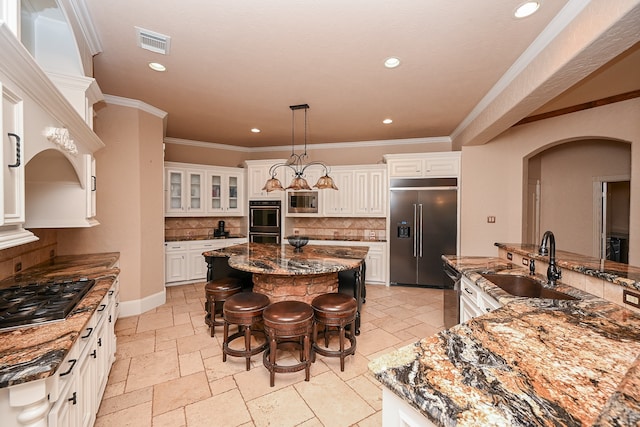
(391, 62)
(156, 66)
(526, 9)
(255, 130)
(387, 121)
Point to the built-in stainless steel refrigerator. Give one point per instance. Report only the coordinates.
(424, 218)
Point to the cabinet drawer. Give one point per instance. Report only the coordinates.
(174, 247)
(471, 291)
(488, 304)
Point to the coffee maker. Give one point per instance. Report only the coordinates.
(219, 232)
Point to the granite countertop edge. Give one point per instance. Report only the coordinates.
(442, 375)
(35, 352)
(242, 236)
(610, 271)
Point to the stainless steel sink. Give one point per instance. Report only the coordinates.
(523, 286)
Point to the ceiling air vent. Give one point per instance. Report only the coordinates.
(155, 42)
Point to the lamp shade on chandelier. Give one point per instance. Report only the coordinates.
(296, 163)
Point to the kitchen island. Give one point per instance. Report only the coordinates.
(530, 362)
(283, 274)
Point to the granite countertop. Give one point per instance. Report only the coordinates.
(35, 352)
(611, 271)
(345, 238)
(202, 237)
(264, 258)
(531, 362)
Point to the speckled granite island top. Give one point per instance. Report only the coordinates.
(35, 352)
(531, 362)
(264, 258)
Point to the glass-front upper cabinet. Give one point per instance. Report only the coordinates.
(225, 196)
(184, 191)
(203, 190)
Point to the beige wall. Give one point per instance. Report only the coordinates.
(129, 200)
(492, 174)
(567, 175)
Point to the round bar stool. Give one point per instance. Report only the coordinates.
(334, 310)
(245, 310)
(217, 291)
(288, 321)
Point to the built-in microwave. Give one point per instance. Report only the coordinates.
(302, 202)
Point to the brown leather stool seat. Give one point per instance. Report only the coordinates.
(217, 291)
(245, 310)
(288, 321)
(335, 310)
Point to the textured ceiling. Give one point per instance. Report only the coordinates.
(235, 65)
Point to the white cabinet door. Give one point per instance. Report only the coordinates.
(257, 176)
(442, 167)
(184, 190)
(174, 188)
(91, 184)
(376, 265)
(12, 164)
(225, 193)
(193, 191)
(370, 193)
(197, 266)
(417, 165)
(468, 309)
(176, 267)
(411, 167)
(340, 202)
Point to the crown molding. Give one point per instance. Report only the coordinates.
(311, 147)
(83, 18)
(134, 103)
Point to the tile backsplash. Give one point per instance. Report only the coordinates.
(327, 227)
(202, 226)
(30, 254)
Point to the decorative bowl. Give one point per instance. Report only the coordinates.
(298, 242)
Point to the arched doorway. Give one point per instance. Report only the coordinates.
(565, 186)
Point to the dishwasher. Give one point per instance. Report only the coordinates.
(451, 281)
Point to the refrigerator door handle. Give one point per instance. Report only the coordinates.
(415, 230)
(420, 234)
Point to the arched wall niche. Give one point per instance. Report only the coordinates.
(561, 182)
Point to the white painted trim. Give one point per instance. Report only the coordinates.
(311, 147)
(139, 306)
(19, 66)
(555, 27)
(203, 144)
(83, 18)
(134, 103)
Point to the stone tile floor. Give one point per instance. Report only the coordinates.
(169, 371)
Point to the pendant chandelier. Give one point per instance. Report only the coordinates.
(296, 162)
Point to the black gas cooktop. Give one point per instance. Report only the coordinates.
(37, 303)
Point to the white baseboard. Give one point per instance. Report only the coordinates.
(137, 307)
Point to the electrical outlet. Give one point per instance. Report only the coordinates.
(525, 261)
(631, 298)
(491, 219)
(18, 267)
(509, 256)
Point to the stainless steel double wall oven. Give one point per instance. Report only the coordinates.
(265, 221)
